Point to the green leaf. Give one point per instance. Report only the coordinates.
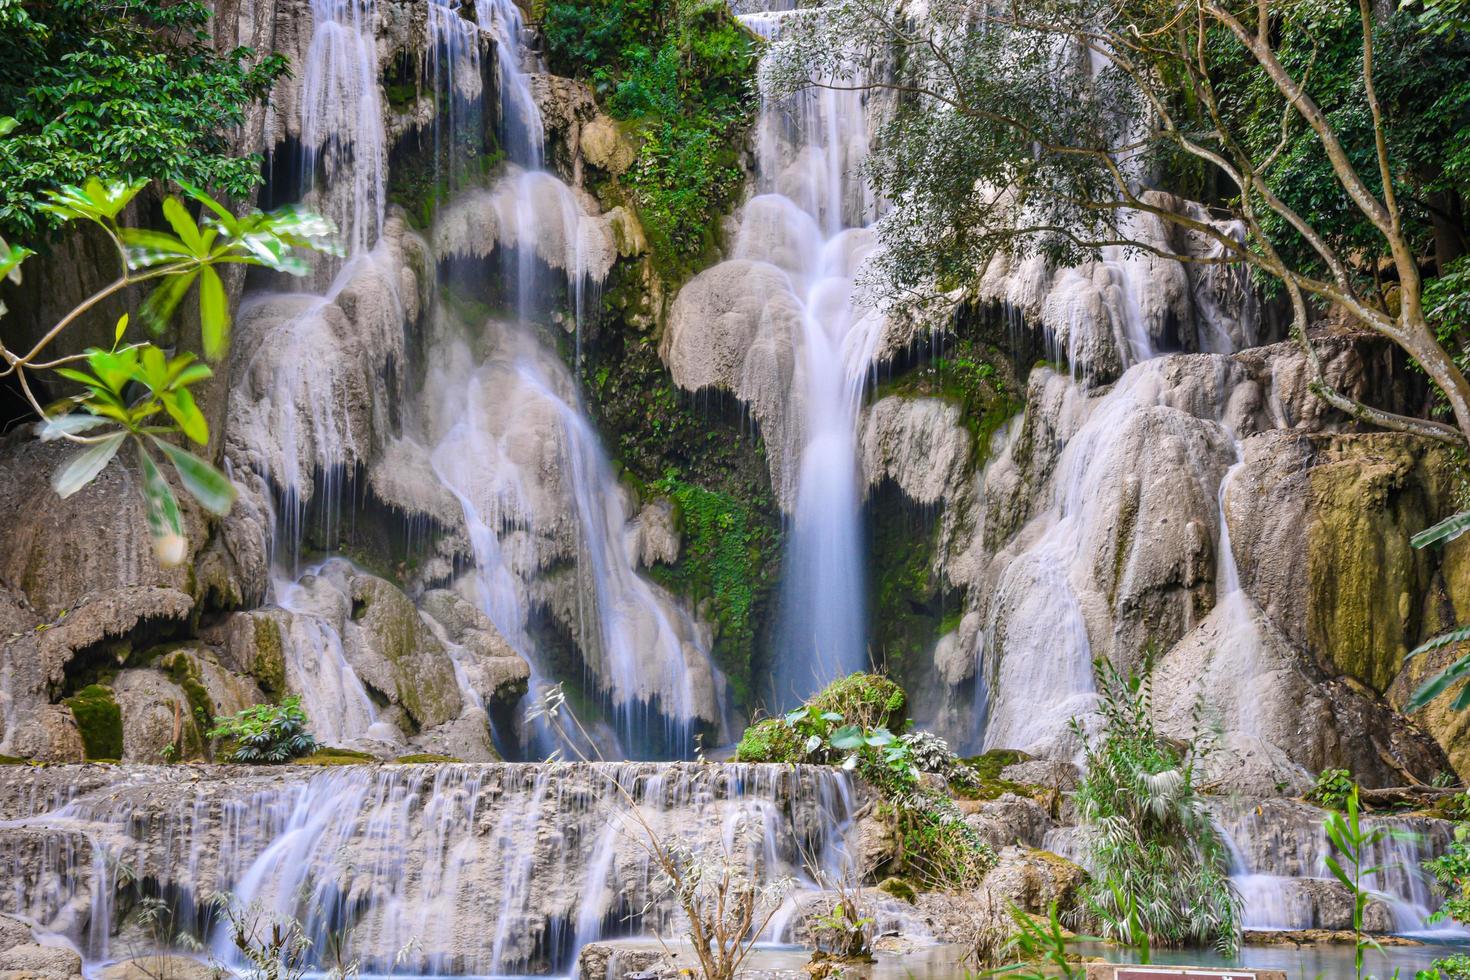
(85, 465)
(11, 256)
(147, 248)
(119, 330)
(813, 743)
(181, 407)
(67, 425)
(158, 308)
(832, 716)
(164, 523)
(792, 717)
(1446, 530)
(847, 737)
(214, 314)
(1458, 635)
(183, 225)
(1436, 685)
(113, 368)
(209, 486)
(879, 737)
(7, 125)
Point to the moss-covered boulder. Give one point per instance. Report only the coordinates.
(865, 700)
(399, 655)
(99, 721)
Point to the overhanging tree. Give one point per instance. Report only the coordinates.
(1040, 126)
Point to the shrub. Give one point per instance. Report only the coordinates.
(1153, 844)
(1455, 967)
(1452, 871)
(267, 733)
(1333, 788)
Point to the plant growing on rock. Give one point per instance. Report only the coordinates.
(266, 733)
(1333, 790)
(1451, 871)
(1353, 843)
(1154, 848)
(137, 392)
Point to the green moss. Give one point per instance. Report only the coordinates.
(99, 720)
(769, 740)
(907, 597)
(13, 760)
(865, 700)
(987, 782)
(899, 889)
(336, 757)
(724, 558)
(184, 671)
(269, 667)
(424, 758)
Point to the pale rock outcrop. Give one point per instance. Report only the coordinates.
(156, 717)
(919, 443)
(1009, 820)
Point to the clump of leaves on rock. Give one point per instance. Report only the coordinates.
(1151, 839)
(1334, 788)
(266, 733)
(850, 724)
(1451, 871)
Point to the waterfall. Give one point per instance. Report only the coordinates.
(812, 220)
(479, 870)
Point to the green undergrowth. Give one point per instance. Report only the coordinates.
(851, 723)
(99, 722)
(974, 375)
(713, 470)
(680, 74)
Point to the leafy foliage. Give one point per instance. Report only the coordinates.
(267, 733)
(850, 723)
(1153, 845)
(1456, 967)
(679, 72)
(1452, 871)
(127, 388)
(1352, 843)
(1041, 950)
(1456, 672)
(124, 90)
(1333, 790)
(726, 550)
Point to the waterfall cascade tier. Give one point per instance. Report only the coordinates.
(487, 869)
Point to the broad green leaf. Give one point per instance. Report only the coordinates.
(188, 375)
(11, 256)
(180, 405)
(7, 125)
(847, 737)
(67, 425)
(792, 717)
(153, 369)
(879, 737)
(1446, 530)
(227, 221)
(164, 523)
(832, 716)
(209, 486)
(1458, 635)
(812, 744)
(183, 225)
(80, 377)
(119, 331)
(214, 314)
(1436, 685)
(113, 368)
(85, 465)
(159, 307)
(147, 248)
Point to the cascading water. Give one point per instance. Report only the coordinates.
(431, 870)
(811, 220)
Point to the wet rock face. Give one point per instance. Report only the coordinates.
(492, 868)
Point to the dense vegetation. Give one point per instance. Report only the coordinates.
(119, 90)
(1156, 855)
(678, 74)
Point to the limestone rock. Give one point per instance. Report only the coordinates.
(160, 967)
(156, 714)
(31, 961)
(1009, 820)
(918, 443)
(399, 655)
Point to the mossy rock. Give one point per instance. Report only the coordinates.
(769, 740)
(336, 757)
(14, 760)
(269, 666)
(899, 889)
(865, 700)
(987, 781)
(425, 758)
(99, 722)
